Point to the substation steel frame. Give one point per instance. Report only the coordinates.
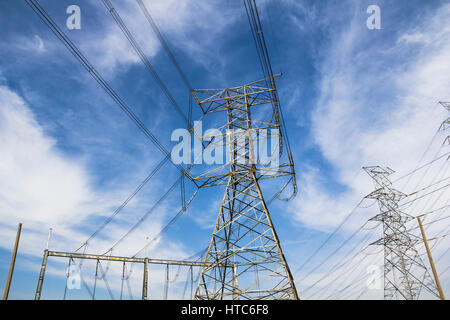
(145, 261)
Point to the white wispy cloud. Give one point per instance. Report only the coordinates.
(54, 186)
(41, 187)
(186, 25)
(377, 106)
(371, 107)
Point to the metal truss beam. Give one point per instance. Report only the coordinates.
(145, 261)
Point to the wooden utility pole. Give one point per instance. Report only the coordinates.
(13, 262)
(433, 268)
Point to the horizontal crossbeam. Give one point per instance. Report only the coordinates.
(126, 259)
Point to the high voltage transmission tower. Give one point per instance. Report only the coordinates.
(446, 124)
(405, 274)
(244, 259)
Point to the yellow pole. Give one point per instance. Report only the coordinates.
(436, 278)
(13, 262)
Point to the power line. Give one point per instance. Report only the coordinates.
(145, 216)
(168, 225)
(36, 7)
(448, 268)
(427, 213)
(117, 211)
(440, 214)
(439, 174)
(164, 43)
(144, 58)
(421, 158)
(334, 252)
(43, 15)
(339, 264)
(266, 67)
(105, 280)
(421, 167)
(427, 194)
(329, 237)
(354, 282)
(322, 291)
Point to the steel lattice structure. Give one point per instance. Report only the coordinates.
(405, 274)
(244, 259)
(446, 124)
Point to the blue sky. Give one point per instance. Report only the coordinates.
(351, 97)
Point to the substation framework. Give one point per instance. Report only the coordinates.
(145, 261)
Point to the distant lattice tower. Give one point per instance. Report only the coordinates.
(405, 273)
(244, 259)
(446, 124)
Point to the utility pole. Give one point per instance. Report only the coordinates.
(430, 258)
(13, 262)
(405, 273)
